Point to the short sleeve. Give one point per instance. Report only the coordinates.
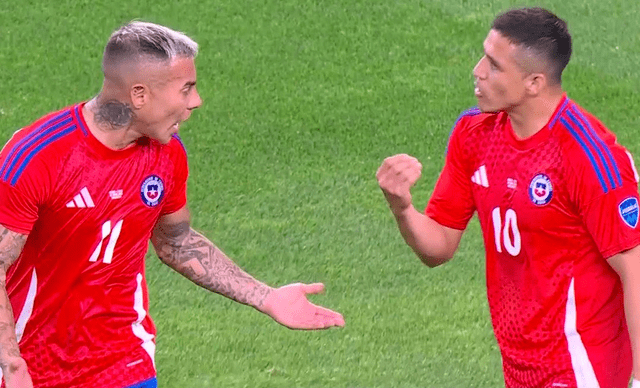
(24, 184)
(18, 211)
(177, 197)
(451, 203)
(608, 201)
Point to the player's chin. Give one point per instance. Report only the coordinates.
(486, 107)
(164, 138)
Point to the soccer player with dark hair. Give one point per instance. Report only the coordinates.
(82, 190)
(557, 201)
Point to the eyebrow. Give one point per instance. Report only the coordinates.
(492, 59)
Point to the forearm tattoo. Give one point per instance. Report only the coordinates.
(113, 113)
(198, 259)
(11, 245)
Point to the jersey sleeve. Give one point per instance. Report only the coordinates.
(177, 196)
(607, 198)
(24, 184)
(451, 203)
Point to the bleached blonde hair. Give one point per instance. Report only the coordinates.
(148, 41)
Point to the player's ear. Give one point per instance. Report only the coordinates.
(535, 83)
(139, 95)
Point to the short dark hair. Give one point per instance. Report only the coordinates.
(541, 31)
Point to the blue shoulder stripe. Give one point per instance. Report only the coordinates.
(469, 112)
(601, 143)
(560, 111)
(39, 136)
(46, 142)
(580, 128)
(76, 113)
(18, 147)
(596, 168)
(590, 139)
(175, 136)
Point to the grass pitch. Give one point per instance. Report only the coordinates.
(302, 101)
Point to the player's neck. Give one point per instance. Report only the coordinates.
(115, 137)
(532, 116)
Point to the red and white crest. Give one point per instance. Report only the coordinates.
(152, 190)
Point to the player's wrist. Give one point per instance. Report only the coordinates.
(264, 302)
(401, 211)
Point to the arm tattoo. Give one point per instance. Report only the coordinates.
(113, 113)
(198, 259)
(11, 245)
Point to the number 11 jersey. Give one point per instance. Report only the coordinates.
(552, 208)
(78, 289)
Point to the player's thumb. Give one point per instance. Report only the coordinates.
(314, 288)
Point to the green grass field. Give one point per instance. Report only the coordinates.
(302, 101)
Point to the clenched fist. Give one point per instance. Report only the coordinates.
(396, 176)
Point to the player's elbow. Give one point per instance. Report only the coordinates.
(434, 255)
(433, 261)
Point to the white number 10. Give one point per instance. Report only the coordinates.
(111, 245)
(510, 225)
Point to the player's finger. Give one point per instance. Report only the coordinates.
(408, 171)
(314, 288)
(386, 166)
(392, 162)
(392, 175)
(404, 165)
(329, 317)
(413, 175)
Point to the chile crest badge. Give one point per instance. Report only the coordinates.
(152, 190)
(540, 190)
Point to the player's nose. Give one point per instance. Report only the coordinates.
(196, 101)
(479, 70)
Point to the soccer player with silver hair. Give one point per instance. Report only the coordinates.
(557, 201)
(82, 191)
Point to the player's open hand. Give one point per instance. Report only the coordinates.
(17, 375)
(289, 306)
(396, 176)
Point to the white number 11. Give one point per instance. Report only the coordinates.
(111, 245)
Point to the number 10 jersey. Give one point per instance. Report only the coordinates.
(552, 208)
(78, 289)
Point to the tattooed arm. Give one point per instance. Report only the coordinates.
(198, 259)
(194, 256)
(13, 365)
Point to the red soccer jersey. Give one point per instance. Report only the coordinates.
(78, 289)
(552, 208)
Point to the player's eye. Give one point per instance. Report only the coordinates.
(493, 65)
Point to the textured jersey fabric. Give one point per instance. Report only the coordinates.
(552, 208)
(78, 289)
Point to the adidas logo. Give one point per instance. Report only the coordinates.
(480, 177)
(81, 200)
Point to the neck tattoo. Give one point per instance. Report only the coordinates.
(113, 113)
